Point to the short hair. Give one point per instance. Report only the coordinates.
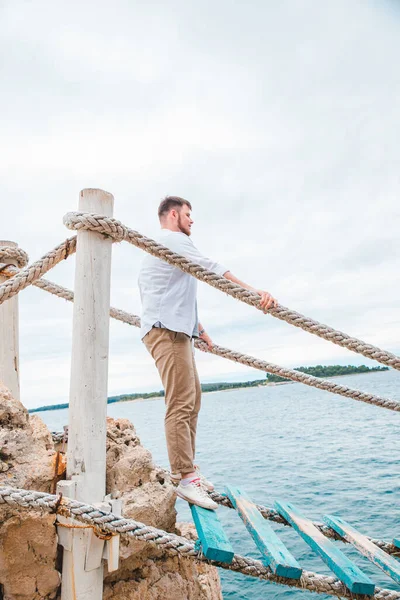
(170, 202)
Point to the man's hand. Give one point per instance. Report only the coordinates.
(267, 301)
(206, 338)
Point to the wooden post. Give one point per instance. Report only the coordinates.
(86, 457)
(9, 337)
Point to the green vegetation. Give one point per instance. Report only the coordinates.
(328, 371)
(110, 400)
(215, 387)
(318, 371)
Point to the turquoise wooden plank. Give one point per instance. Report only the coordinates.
(396, 542)
(215, 544)
(347, 571)
(384, 561)
(274, 553)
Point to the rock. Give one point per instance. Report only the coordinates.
(146, 573)
(26, 448)
(169, 578)
(28, 541)
(28, 551)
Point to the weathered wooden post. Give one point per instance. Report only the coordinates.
(9, 336)
(82, 577)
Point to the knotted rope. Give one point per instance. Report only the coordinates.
(268, 513)
(15, 254)
(36, 270)
(173, 544)
(239, 357)
(117, 231)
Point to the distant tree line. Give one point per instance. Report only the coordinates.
(327, 371)
(318, 371)
(110, 400)
(214, 387)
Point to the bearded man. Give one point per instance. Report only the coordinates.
(169, 324)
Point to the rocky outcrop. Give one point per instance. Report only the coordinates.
(146, 573)
(28, 541)
(29, 560)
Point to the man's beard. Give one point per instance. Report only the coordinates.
(187, 232)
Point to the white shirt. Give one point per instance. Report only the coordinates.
(168, 294)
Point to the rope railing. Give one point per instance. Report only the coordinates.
(171, 543)
(233, 355)
(118, 232)
(112, 524)
(29, 274)
(269, 514)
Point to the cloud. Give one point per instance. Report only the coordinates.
(279, 121)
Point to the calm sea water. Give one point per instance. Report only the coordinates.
(324, 453)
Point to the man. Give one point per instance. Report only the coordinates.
(169, 322)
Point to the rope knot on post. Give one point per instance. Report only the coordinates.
(14, 254)
(81, 221)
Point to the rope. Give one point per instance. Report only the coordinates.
(322, 384)
(15, 254)
(267, 513)
(36, 270)
(117, 231)
(171, 543)
(125, 317)
(244, 359)
(62, 292)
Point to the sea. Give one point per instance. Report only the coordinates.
(323, 453)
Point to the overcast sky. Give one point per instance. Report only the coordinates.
(279, 121)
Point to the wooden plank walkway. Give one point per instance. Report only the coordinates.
(356, 581)
(274, 553)
(384, 561)
(215, 544)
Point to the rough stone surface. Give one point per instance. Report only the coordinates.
(29, 561)
(28, 541)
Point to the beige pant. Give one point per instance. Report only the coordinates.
(173, 355)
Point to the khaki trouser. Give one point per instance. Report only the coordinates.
(174, 358)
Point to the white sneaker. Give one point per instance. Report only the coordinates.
(194, 493)
(204, 482)
(176, 478)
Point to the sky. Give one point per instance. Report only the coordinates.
(279, 121)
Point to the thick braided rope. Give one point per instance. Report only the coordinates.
(62, 292)
(322, 384)
(36, 270)
(244, 359)
(172, 543)
(13, 253)
(117, 231)
(270, 513)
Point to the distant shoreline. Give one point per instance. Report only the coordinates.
(220, 387)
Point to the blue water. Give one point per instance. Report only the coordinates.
(324, 453)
